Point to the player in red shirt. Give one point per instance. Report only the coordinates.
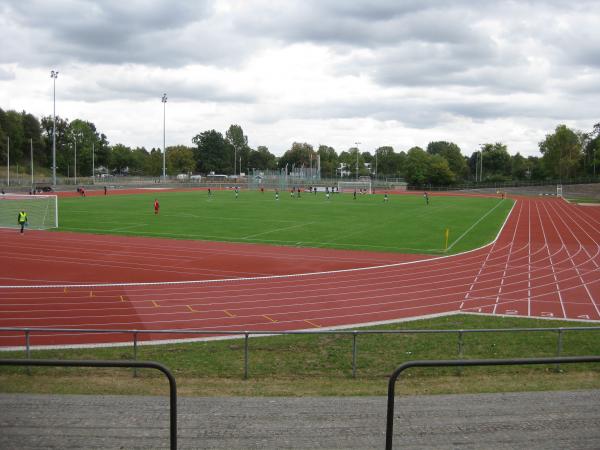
(156, 206)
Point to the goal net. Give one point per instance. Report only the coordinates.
(358, 186)
(42, 210)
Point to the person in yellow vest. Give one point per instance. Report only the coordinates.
(22, 219)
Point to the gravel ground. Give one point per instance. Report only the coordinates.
(543, 420)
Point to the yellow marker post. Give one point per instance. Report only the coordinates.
(447, 235)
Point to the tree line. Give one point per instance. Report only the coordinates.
(564, 154)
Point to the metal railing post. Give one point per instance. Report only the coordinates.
(135, 352)
(114, 364)
(460, 344)
(27, 350)
(559, 347)
(354, 334)
(389, 430)
(246, 334)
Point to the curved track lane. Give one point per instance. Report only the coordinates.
(544, 263)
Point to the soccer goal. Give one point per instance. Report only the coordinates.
(351, 186)
(42, 210)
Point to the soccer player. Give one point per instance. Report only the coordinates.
(237, 192)
(276, 194)
(22, 219)
(104, 190)
(426, 195)
(209, 192)
(385, 198)
(156, 206)
(354, 194)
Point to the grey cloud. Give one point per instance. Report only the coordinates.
(138, 86)
(169, 33)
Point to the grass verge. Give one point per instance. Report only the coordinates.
(321, 365)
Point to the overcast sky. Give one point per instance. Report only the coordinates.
(334, 72)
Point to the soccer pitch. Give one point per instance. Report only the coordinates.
(402, 224)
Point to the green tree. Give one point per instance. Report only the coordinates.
(451, 152)
(180, 159)
(389, 163)
(137, 164)
(592, 151)
(416, 171)
(329, 161)
(536, 169)
(496, 161)
(213, 153)
(562, 152)
(239, 141)
(153, 165)
(519, 167)
(13, 129)
(438, 171)
(261, 159)
(62, 141)
(299, 155)
(120, 158)
(32, 131)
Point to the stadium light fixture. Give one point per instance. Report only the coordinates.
(164, 102)
(54, 76)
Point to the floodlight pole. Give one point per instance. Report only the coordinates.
(31, 150)
(8, 160)
(54, 76)
(93, 163)
(164, 101)
(75, 169)
(357, 144)
(481, 166)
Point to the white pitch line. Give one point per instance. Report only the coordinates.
(474, 225)
(278, 229)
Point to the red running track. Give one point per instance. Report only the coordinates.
(544, 263)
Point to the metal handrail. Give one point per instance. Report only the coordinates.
(111, 363)
(28, 331)
(389, 430)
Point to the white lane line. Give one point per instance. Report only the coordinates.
(552, 264)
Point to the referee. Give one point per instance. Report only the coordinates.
(22, 219)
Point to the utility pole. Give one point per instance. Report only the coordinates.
(31, 150)
(164, 101)
(8, 160)
(54, 76)
(75, 169)
(357, 144)
(93, 165)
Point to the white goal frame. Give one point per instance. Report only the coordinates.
(41, 218)
(351, 186)
(559, 190)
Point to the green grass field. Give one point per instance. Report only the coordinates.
(403, 224)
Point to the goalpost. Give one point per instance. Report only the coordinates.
(351, 186)
(42, 210)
